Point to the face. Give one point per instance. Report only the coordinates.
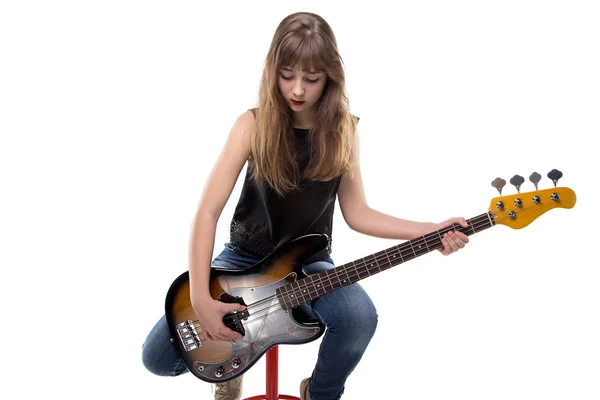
(301, 89)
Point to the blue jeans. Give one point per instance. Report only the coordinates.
(348, 314)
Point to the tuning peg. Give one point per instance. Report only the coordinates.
(535, 178)
(555, 175)
(517, 181)
(499, 183)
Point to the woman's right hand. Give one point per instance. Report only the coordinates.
(210, 314)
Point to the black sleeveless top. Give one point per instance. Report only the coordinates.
(263, 220)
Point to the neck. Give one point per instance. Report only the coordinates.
(303, 119)
(301, 291)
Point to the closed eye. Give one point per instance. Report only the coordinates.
(289, 78)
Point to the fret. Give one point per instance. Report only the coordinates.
(425, 240)
(408, 256)
(329, 279)
(293, 293)
(293, 296)
(338, 278)
(375, 263)
(400, 250)
(313, 286)
(398, 253)
(413, 249)
(283, 296)
(388, 258)
(290, 296)
(361, 274)
(318, 285)
(418, 249)
(309, 280)
(357, 273)
(345, 269)
(489, 215)
(381, 258)
(367, 267)
(303, 291)
(440, 236)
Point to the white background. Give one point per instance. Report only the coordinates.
(112, 114)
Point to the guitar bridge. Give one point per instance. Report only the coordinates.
(189, 335)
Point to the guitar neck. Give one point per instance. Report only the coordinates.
(303, 290)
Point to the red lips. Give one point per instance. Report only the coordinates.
(298, 103)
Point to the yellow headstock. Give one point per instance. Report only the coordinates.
(532, 205)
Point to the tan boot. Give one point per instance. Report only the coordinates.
(230, 390)
(304, 389)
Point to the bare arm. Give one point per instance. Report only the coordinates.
(362, 218)
(216, 193)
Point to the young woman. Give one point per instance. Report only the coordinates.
(301, 149)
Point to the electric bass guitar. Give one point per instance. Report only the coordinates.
(273, 288)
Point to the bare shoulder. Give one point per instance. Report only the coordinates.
(245, 120)
(238, 146)
(242, 128)
(229, 164)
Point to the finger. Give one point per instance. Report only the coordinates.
(233, 307)
(455, 241)
(208, 336)
(458, 242)
(229, 335)
(447, 248)
(451, 240)
(218, 335)
(226, 332)
(220, 338)
(237, 307)
(456, 220)
(462, 237)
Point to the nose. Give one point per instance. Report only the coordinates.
(298, 89)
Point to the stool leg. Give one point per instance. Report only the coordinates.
(273, 373)
(272, 379)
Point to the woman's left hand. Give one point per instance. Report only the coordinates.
(453, 240)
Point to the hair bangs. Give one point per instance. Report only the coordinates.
(303, 52)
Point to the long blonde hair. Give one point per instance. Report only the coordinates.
(302, 40)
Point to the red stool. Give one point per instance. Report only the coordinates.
(273, 379)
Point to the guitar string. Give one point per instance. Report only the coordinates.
(477, 222)
(256, 314)
(483, 220)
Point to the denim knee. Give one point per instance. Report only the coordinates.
(349, 310)
(162, 364)
(363, 319)
(159, 355)
(151, 363)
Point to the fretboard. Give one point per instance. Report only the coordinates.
(303, 290)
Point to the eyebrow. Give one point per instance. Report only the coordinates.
(288, 69)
